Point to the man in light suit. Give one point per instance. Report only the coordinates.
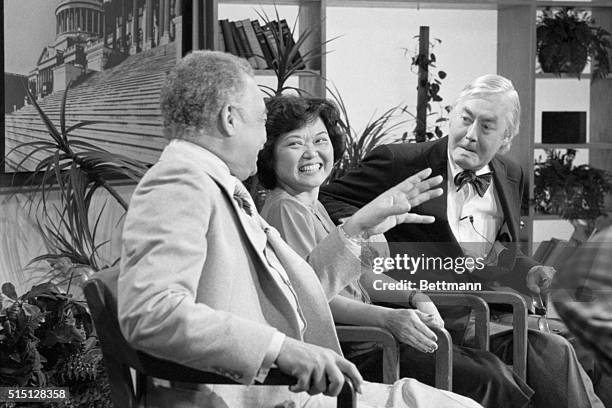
(205, 281)
(479, 211)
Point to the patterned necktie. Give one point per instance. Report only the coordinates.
(480, 183)
(243, 198)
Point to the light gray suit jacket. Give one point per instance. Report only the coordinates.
(195, 287)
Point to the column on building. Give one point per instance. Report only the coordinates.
(160, 19)
(165, 22)
(148, 26)
(135, 47)
(104, 31)
(178, 29)
(122, 25)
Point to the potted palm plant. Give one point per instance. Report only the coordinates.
(567, 39)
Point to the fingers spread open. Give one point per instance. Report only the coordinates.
(412, 218)
(421, 175)
(425, 196)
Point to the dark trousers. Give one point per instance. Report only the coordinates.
(553, 371)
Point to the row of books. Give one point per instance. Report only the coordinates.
(259, 44)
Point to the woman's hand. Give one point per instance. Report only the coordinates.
(407, 326)
(393, 206)
(432, 317)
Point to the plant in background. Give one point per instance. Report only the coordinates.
(46, 336)
(572, 192)
(47, 340)
(76, 169)
(567, 39)
(430, 83)
(379, 130)
(291, 57)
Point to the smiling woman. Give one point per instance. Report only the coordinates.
(304, 141)
(304, 158)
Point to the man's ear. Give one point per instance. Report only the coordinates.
(506, 145)
(227, 120)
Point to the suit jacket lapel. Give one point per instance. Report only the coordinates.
(257, 239)
(311, 297)
(506, 188)
(437, 160)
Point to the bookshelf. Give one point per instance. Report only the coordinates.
(592, 97)
(202, 32)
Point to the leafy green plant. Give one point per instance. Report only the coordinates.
(378, 130)
(76, 169)
(572, 192)
(292, 57)
(567, 38)
(430, 85)
(46, 336)
(47, 340)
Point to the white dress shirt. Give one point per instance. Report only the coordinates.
(474, 220)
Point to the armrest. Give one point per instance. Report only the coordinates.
(479, 307)
(444, 360)
(178, 373)
(391, 352)
(391, 358)
(519, 332)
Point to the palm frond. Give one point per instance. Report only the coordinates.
(53, 132)
(78, 126)
(73, 170)
(379, 130)
(292, 57)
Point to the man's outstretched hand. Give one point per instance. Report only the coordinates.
(317, 369)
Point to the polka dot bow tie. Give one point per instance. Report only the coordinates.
(480, 183)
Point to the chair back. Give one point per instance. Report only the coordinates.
(119, 356)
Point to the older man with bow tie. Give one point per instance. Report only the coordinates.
(477, 216)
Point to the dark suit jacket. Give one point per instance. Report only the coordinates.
(388, 165)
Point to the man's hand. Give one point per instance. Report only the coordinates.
(540, 277)
(408, 327)
(318, 370)
(423, 303)
(393, 206)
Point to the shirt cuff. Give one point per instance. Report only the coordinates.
(271, 354)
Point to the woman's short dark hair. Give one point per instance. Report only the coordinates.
(287, 113)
